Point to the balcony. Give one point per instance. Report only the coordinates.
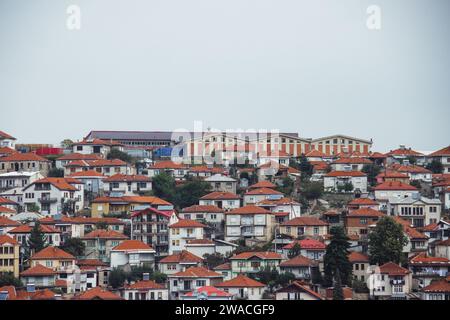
(47, 200)
(397, 282)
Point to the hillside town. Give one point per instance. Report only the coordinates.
(215, 215)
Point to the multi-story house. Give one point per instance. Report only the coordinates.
(178, 262)
(54, 258)
(176, 170)
(127, 185)
(103, 166)
(222, 183)
(437, 290)
(419, 211)
(133, 253)
(304, 226)
(103, 206)
(414, 172)
(350, 164)
(443, 156)
(22, 234)
(145, 289)
(151, 227)
(18, 179)
(389, 282)
(9, 255)
(393, 189)
(39, 276)
(191, 279)
(7, 224)
(403, 155)
(283, 205)
(97, 146)
(392, 175)
(30, 162)
(249, 222)
(183, 231)
(359, 203)
(300, 266)
(332, 145)
(253, 196)
(212, 215)
(55, 195)
(442, 248)
(297, 290)
(309, 248)
(360, 265)
(92, 181)
(100, 242)
(426, 269)
(337, 180)
(253, 262)
(205, 171)
(417, 241)
(223, 200)
(207, 293)
(243, 287)
(64, 160)
(357, 222)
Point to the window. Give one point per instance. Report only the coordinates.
(201, 283)
(316, 230)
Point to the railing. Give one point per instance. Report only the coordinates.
(48, 200)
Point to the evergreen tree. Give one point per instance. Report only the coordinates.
(117, 154)
(294, 251)
(8, 279)
(336, 258)
(163, 186)
(435, 166)
(74, 246)
(37, 239)
(305, 167)
(338, 292)
(386, 242)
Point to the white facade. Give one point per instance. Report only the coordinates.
(135, 257)
(332, 183)
(18, 179)
(178, 237)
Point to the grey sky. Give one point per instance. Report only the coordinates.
(309, 66)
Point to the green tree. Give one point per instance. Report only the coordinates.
(336, 257)
(305, 166)
(372, 170)
(213, 260)
(312, 190)
(56, 172)
(188, 193)
(338, 292)
(435, 166)
(37, 239)
(8, 279)
(66, 143)
(74, 246)
(117, 154)
(163, 186)
(32, 207)
(287, 186)
(294, 251)
(101, 225)
(284, 278)
(117, 278)
(316, 275)
(348, 186)
(386, 242)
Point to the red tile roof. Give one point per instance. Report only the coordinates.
(298, 261)
(97, 163)
(38, 270)
(424, 259)
(201, 242)
(263, 184)
(307, 244)
(345, 174)
(354, 160)
(87, 173)
(357, 257)
(279, 202)
(59, 183)
(365, 212)
(202, 208)
(264, 255)
(223, 266)
(6, 222)
(23, 157)
(304, 221)
(249, 210)
(104, 234)
(241, 281)
(392, 174)
(197, 272)
(97, 293)
(4, 239)
(393, 269)
(80, 156)
(404, 152)
(6, 201)
(411, 169)
(442, 285)
(168, 165)
(394, 185)
(6, 210)
(218, 195)
(145, 285)
(7, 151)
(54, 253)
(4, 135)
(444, 152)
(133, 199)
(27, 229)
(127, 178)
(91, 263)
(132, 245)
(185, 223)
(410, 231)
(182, 257)
(209, 291)
(363, 201)
(315, 154)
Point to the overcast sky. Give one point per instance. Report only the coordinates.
(307, 66)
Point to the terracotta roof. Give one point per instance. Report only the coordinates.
(209, 291)
(241, 281)
(80, 156)
(6, 222)
(377, 155)
(4, 135)
(97, 293)
(394, 185)
(442, 285)
(6, 201)
(264, 255)
(168, 165)
(279, 202)
(263, 184)
(97, 163)
(348, 293)
(444, 152)
(403, 152)
(104, 234)
(223, 266)
(38, 270)
(315, 154)
(80, 220)
(131, 245)
(353, 160)
(52, 253)
(357, 257)
(307, 244)
(6, 210)
(206, 169)
(164, 213)
(345, 174)
(87, 173)
(7, 150)
(127, 178)
(185, 223)
(91, 263)
(59, 183)
(27, 229)
(424, 259)
(363, 201)
(133, 199)
(197, 272)
(299, 285)
(4, 239)
(298, 261)
(392, 174)
(393, 269)
(443, 242)
(183, 257)
(144, 285)
(430, 227)
(202, 208)
(249, 210)
(23, 157)
(200, 241)
(365, 212)
(304, 221)
(411, 169)
(218, 195)
(410, 231)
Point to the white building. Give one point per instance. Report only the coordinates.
(7, 140)
(132, 253)
(337, 180)
(393, 189)
(254, 196)
(443, 156)
(420, 211)
(128, 185)
(183, 231)
(98, 146)
(223, 200)
(222, 183)
(18, 179)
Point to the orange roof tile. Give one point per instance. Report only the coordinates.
(130, 245)
(353, 160)
(4, 135)
(444, 152)
(80, 156)
(87, 173)
(424, 259)
(59, 183)
(6, 222)
(362, 201)
(5, 239)
(168, 165)
(38, 270)
(365, 212)
(315, 154)
(185, 223)
(357, 257)
(52, 253)
(218, 195)
(249, 210)
(183, 257)
(202, 208)
(197, 272)
(209, 291)
(145, 285)
(345, 174)
(6, 201)
(442, 285)
(223, 266)
(6, 210)
(394, 185)
(27, 229)
(263, 191)
(307, 244)
(298, 261)
(263, 184)
(104, 234)
(241, 281)
(23, 157)
(127, 178)
(97, 293)
(393, 269)
(264, 255)
(304, 221)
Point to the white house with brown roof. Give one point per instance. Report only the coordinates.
(210, 214)
(443, 156)
(223, 200)
(220, 182)
(297, 290)
(132, 253)
(145, 289)
(253, 262)
(389, 282)
(304, 226)
(349, 164)
(337, 180)
(103, 166)
(254, 196)
(282, 205)
(176, 170)
(243, 287)
(179, 261)
(96, 146)
(191, 279)
(7, 140)
(127, 185)
(24, 162)
(183, 231)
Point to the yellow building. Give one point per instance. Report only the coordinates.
(9, 255)
(104, 206)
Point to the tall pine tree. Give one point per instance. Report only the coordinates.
(338, 292)
(37, 239)
(336, 258)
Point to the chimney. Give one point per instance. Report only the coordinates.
(146, 276)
